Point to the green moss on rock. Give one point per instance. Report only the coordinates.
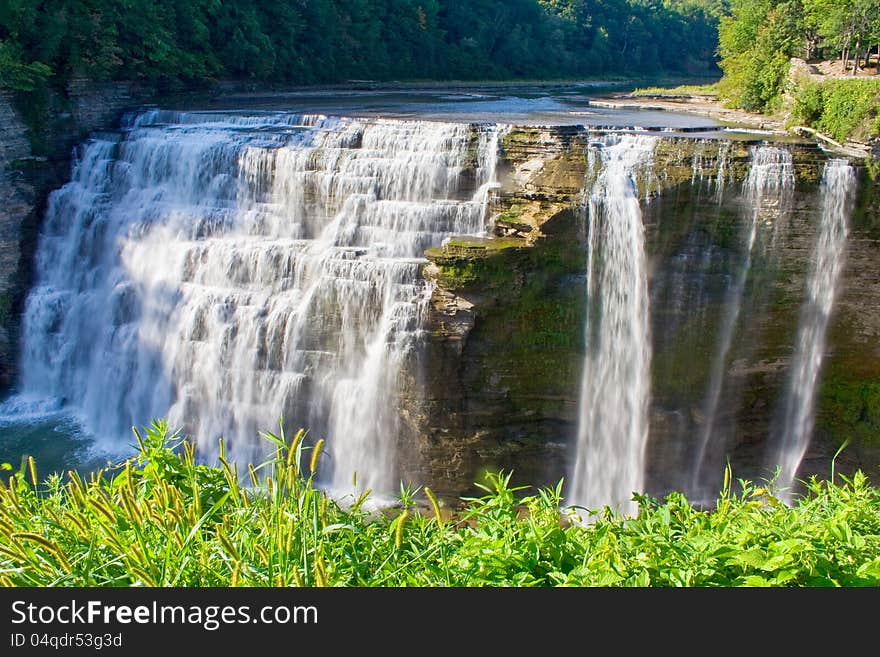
(525, 348)
(467, 262)
(850, 410)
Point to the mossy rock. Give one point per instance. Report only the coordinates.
(5, 309)
(850, 410)
(528, 300)
(465, 263)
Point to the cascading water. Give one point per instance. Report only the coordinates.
(225, 270)
(838, 196)
(767, 189)
(710, 163)
(613, 425)
(723, 158)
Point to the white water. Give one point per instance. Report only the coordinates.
(767, 189)
(613, 427)
(224, 271)
(709, 167)
(838, 196)
(723, 158)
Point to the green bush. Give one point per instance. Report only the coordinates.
(15, 74)
(808, 101)
(850, 108)
(843, 109)
(756, 40)
(160, 518)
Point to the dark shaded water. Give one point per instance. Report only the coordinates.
(54, 438)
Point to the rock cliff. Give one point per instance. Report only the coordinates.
(38, 132)
(503, 365)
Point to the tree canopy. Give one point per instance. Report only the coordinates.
(758, 38)
(182, 42)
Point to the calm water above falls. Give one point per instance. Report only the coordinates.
(520, 104)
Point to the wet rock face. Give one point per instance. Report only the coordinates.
(35, 154)
(502, 365)
(18, 200)
(849, 393)
(687, 304)
(503, 362)
(503, 358)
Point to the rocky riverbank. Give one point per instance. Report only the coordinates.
(861, 143)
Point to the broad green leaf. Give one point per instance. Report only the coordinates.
(754, 558)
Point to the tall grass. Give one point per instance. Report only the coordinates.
(681, 91)
(160, 518)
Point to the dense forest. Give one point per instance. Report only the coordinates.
(758, 38)
(179, 43)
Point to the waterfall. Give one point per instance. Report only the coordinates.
(723, 158)
(838, 196)
(767, 189)
(709, 169)
(225, 270)
(613, 426)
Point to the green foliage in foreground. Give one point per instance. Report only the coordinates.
(161, 519)
(840, 108)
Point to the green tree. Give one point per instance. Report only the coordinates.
(186, 42)
(849, 28)
(17, 75)
(756, 42)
